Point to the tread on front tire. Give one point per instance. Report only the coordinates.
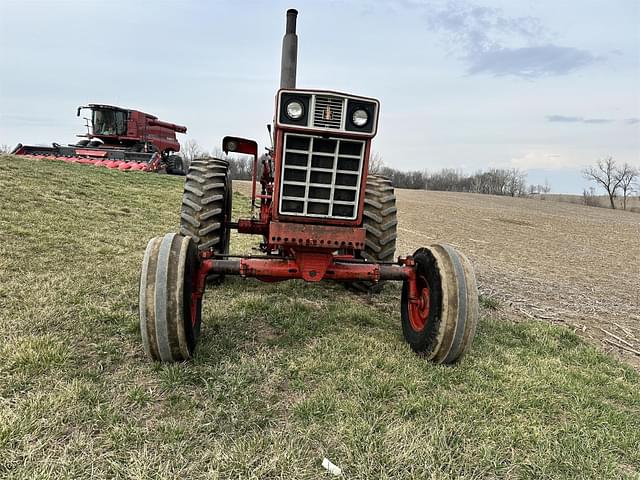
(442, 325)
(169, 317)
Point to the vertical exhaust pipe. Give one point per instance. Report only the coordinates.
(289, 61)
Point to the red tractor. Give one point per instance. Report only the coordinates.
(322, 217)
(119, 138)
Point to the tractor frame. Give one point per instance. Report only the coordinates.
(321, 217)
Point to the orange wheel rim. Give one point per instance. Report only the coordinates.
(419, 311)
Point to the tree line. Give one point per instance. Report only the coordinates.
(495, 181)
(612, 178)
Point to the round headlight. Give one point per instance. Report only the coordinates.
(360, 118)
(294, 110)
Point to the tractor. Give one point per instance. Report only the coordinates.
(118, 138)
(321, 216)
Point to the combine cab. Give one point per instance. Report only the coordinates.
(118, 138)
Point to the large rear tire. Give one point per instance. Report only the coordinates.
(442, 324)
(381, 223)
(175, 165)
(206, 205)
(170, 317)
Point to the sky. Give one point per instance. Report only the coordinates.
(546, 86)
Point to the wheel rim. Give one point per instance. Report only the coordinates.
(195, 304)
(419, 312)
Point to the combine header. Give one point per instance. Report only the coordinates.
(322, 216)
(118, 138)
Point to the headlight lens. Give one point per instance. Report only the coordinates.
(360, 118)
(294, 109)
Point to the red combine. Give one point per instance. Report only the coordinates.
(321, 217)
(118, 138)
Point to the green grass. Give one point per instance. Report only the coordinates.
(285, 374)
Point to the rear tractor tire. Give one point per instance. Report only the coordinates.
(170, 317)
(206, 205)
(380, 221)
(175, 165)
(441, 326)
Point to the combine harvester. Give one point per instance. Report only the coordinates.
(118, 138)
(322, 216)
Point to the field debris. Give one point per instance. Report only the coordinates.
(331, 468)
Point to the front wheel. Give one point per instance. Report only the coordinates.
(170, 315)
(441, 322)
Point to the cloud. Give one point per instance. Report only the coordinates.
(477, 29)
(566, 119)
(597, 120)
(632, 121)
(492, 42)
(563, 118)
(531, 62)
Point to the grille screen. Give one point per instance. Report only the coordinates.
(327, 112)
(321, 176)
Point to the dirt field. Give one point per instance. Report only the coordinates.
(569, 264)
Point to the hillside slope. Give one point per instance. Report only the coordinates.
(286, 374)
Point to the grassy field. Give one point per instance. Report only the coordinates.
(285, 375)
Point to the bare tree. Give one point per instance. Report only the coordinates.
(376, 164)
(4, 149)
(240, 166)
(589, 197)
(516, 182)
(626, 175)
(604, 174)
(191, 150)
(539, 188)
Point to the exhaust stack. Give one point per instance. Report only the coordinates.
(289, 62)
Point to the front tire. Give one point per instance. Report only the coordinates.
(170, 317)
(442, 323)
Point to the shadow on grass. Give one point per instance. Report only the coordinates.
(245, 314)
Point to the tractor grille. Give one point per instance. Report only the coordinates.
(321, 177)
(327, 112)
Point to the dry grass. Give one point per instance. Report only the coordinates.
(602, 201)
(285, 374)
